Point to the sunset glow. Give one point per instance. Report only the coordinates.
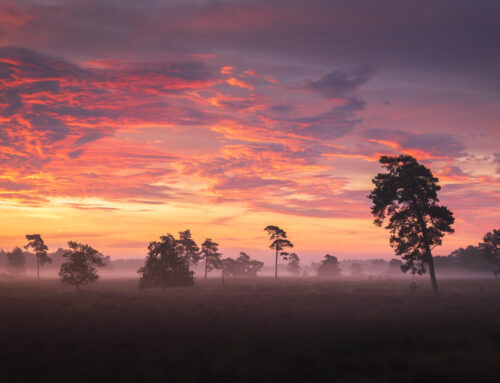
(224, 118)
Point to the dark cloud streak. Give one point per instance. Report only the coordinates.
(447, 36)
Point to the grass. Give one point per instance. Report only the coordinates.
(302, 330)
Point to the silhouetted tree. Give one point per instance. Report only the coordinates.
(250, 266)
(394, 267)
(407, 194)
(210, 253)
(80, 265)
(469, 259)
(165, 265)
(293, 266)
(356, 269)
(190, 249)
(16, 261)
(243, 266)
(36, 242)
(489, 248)
(230, 267)
(278, 244)
(329, 267)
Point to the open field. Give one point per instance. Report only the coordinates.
(251, 330)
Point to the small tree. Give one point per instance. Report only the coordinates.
(16, 261)
(329, 267)
(250, 266)
(165, 265)
(230, 267)
(490, 250)
(36, 242)
(356, 270)
(80, 265)
(243, 266)
(190, 249)
(407, 194)
(278, 244)
(210, 253)
(293, 266)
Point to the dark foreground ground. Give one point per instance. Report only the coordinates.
(251, 331)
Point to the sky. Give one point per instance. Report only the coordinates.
(121, 121)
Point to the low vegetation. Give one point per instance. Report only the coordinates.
(293, 330)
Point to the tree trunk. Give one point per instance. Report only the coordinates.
(428, 254)
(276, 267)
(432, 273)
(206, 267)
(77, 287)
(37, 267)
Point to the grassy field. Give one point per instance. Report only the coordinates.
(251, 331)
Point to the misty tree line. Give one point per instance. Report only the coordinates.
(404, 197)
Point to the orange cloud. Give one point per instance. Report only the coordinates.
(233, 81)
(227, 69)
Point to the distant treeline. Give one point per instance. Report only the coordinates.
(469, 260)
(57, 258)
(404, 197)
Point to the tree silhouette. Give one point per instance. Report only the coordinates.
(278, 244)
(329, 267)
(243, 266)
(489, 248)
(230, 268)
(165, 265)
(250, 266)
(190, 249)
(356, 269)
(469, 259)
(16, 261)
(80, 265)
(36, 242)
(293, 266)
(407, 194)
(210, 253)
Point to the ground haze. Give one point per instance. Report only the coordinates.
(294, 330)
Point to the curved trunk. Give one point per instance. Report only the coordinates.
(276, 266)
(432, 273)
(428, 254)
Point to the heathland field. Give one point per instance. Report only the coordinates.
(255, 330)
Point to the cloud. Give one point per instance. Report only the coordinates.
(233, 81)
(446, 37)
(8, 185)
(173, 131)
(433, 145)
(59, 118)
(250, 183)
(335, 123)
(89, 137)
(337, 84)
